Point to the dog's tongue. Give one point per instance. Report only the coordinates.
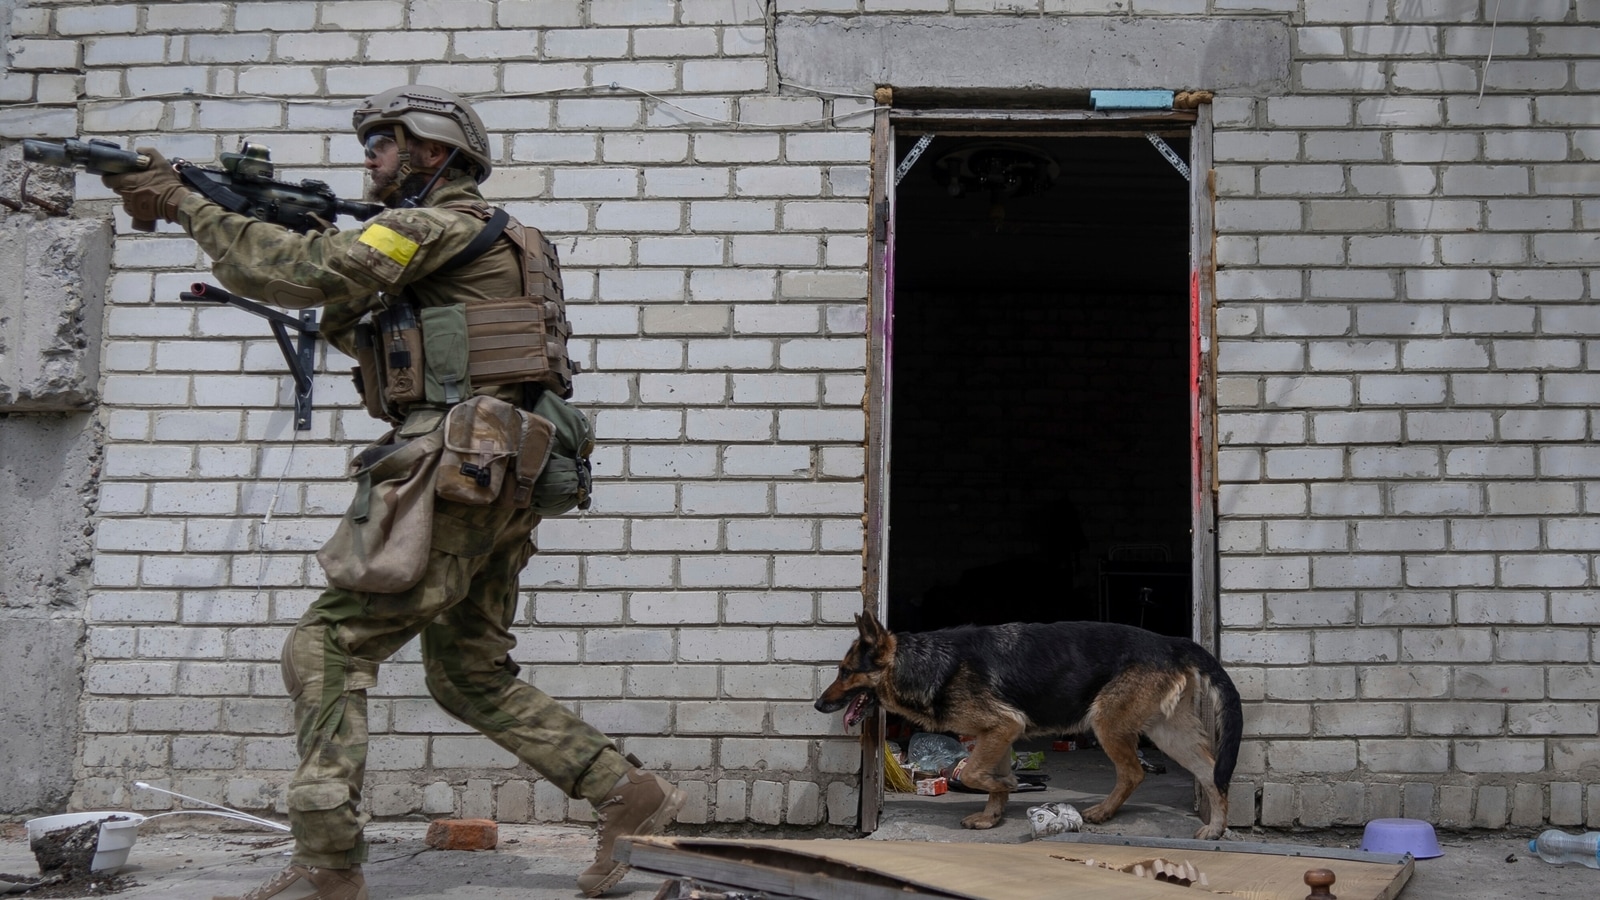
(852, 712)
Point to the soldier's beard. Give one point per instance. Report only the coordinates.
(380, 183)
(388, 188)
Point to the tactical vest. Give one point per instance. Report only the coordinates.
(438, 356)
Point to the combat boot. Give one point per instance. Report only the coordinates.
(639, 804)
(310, 883)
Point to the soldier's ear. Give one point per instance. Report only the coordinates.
(428, 153)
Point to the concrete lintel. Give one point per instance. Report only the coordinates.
(1242, 55)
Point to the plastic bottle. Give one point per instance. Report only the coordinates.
(1559, 847)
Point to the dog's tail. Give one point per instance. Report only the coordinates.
(1227, 724)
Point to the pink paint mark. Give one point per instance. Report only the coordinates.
(888, 307)
(1195, 412)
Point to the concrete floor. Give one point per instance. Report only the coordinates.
(1475, 866)
(541, 862)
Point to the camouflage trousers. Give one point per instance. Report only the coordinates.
(463, 610)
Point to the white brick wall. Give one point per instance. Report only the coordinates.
(663, 219)
(1405, 337)
(1434, 231)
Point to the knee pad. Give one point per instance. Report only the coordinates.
(291, 678)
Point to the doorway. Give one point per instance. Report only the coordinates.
(1040, 453)
(1041, 417)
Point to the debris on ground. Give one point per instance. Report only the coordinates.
(65, 857)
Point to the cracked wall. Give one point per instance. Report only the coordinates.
(53, 274)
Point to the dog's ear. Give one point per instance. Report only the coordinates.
(872, 630)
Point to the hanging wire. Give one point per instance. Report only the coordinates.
(1483, 77)
(188, 94)
(231, 813)
(266, 520)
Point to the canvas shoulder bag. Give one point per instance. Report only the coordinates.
(382, 543)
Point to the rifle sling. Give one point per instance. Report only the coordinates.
(215, 190)
(480, 245)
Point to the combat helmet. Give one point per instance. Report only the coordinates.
(431, 113)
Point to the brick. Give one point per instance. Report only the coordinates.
(1277, 804)
(1303, 392)
(804, 803)
(1274, 719)
(724, 571)
(1326, 756)
(1278, 648)
(209, 752)
(730, 800)
(1527, 805)
(1302, 683)
(774, 534)
(727, 75)
(1538, 285)
(462, 834)
(1352, 284)
(1356, 428)
(766, 798)
(777, 181)
(1434, 146)
(1548, 570)
(1497, 756)
(1396, 112)
(1552, 718)
(1574, 608)
(1462, 427)
(817, 571)
(1544, 645)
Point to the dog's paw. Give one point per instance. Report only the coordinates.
(1211, 833)
(1097, 814)
(980, 821)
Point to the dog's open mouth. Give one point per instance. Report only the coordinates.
(857, 709)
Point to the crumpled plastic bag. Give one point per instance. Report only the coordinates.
(934, 754)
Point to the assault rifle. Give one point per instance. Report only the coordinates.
(244, 183)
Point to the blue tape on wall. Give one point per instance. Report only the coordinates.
(1130, 99)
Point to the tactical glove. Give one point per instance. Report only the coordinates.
(150, 194)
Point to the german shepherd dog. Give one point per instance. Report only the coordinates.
(1003, 682)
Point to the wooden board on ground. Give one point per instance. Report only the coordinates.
(885, 870)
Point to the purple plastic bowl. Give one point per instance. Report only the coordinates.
(1412, 836)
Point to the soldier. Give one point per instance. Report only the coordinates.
(435, 251)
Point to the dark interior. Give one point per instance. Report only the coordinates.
(1039, 452)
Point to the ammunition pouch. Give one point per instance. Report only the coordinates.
(566, 481)
(368, 376)
(399, 346)
(495, 453)
(444, 351)
(482, 437)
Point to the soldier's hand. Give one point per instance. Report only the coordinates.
(153, 193)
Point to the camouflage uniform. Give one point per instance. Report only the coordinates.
(465, 603)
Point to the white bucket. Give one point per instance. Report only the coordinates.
(116, 838)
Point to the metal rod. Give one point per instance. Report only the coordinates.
(301, 359)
